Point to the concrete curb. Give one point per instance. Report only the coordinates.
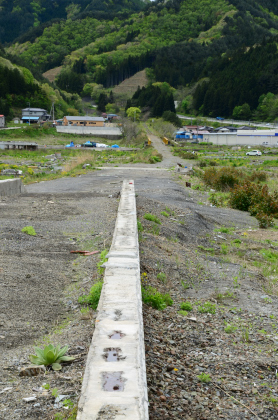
(114, 384)
(11, 187)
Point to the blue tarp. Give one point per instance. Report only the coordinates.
(115, 146)
(70, 145)
(30, 118)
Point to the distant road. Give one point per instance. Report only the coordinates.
(233, 122)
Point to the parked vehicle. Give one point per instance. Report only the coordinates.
(254, 153)
(89, 144)
(220, 118)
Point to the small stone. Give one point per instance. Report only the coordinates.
(29, 399)
(162, 398)
(32, 371)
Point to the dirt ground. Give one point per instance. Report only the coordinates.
(40, 282)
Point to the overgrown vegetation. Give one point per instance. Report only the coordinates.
(93, 297)
(29, 230)
(157, 300)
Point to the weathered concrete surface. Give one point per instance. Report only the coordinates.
(11, 187)
(105, 132)
(117, 389)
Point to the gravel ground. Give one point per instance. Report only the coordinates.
(80, 212)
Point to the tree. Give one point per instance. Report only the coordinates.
(133, 113)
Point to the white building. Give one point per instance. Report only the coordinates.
(2, 121)
(244, 137)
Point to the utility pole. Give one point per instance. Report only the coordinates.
(29, 111)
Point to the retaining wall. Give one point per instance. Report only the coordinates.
(11, 187)
(114, 384)
(104, 132)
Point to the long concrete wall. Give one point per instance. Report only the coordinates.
(244, 138)
(11, 187)
(114, 384)
(105, 132)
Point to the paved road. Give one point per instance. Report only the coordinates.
(227, 121)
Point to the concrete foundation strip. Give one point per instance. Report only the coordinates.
(114, 384)
(10, 187)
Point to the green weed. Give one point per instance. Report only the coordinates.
(207, 307)
(29, 230)
(161, 277)
(229, 329)
(157, 300)
(93, 297)
(152, 218)
(184, 313)
(165, 214)
(186, 306)
(50, 356)
(204, 377)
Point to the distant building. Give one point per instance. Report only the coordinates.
(34, 115)
(19, 145)
(2, 121)
(84, 121)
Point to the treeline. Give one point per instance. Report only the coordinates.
(156, 99)
(15, 91)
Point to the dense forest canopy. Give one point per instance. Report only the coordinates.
(228, 43)
(19, 16)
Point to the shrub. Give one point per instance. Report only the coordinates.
(186, 306)
(188, 155)
(152, 218)
(163, 213)
(157, 300)
(222, 179)
(29, 230)
(93, 297)
(183, 313)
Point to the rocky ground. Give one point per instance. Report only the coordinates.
(215, 360)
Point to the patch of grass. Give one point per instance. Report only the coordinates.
(139, 226)
(230, 329)
(103, 259)
(207, 308)
(245, 335)
(204, 377)
(186, 306)
(161, 277)
(165, 214)
(183, 313)
(29, 230)
(152, 218)
(152, 297)
(225, 230)
(202, 248)
(93, 297)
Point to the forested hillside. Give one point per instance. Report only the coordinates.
(20, 16)
(228, 43)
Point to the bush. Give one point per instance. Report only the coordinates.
(153, 298)
(188, 155)
(93, 297)
(207, 308)
(257, 200)
(222, 179)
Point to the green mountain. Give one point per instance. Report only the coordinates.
(231, 44)
(20, 16)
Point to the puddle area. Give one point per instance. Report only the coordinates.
(117, 335)
(113, 382)
(111, 355)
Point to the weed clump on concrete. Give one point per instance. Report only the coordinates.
(29, 230)
(93, 297)
(157, 300)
